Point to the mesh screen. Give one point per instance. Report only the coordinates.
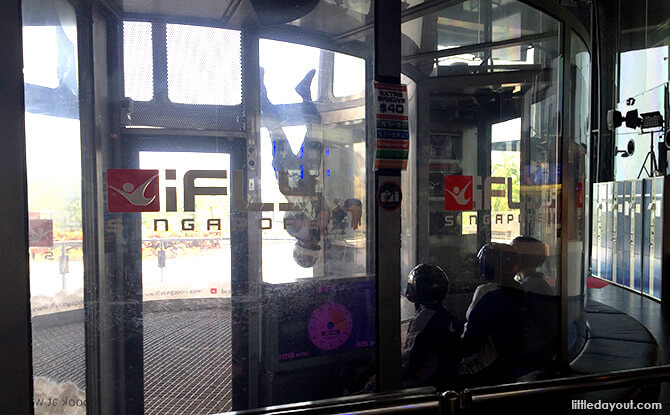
(204, 65)
(138, 61)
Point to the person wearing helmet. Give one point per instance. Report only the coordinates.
(298, 176)
(309, 229)
(532, 254)
(542, 320)
(431, 353)
(494, 328)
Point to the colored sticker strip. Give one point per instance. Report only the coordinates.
(392, 126)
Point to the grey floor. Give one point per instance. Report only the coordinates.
(187, 365)
(650, 314)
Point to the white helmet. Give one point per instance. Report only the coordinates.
(306, 256)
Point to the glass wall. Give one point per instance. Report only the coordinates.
(250, 257)
(235, 266)
(488, 181)
(54, 203)
(319, 304)
(576, 190)
(643, 77)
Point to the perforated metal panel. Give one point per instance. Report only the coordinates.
(204, 65)
(138, 63)
(192, 82)
(187, 360)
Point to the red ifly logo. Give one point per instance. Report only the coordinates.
(457, 192)
(213, 290)
(132, 190)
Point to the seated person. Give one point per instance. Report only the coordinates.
(532, 254)
(541, 305)
(431, 353)
(494, 331)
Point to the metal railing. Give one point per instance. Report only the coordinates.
(453, 403)
(427, 400)
(405, 401)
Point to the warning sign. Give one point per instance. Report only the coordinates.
(389, 196)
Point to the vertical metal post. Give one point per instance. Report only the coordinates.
(158, 38)
(563, 135)
(91, 219)
(450, 403)
(15, 334)
(387, 223)
(246, 275)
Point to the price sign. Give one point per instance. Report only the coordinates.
(392, 126)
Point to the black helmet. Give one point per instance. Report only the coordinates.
(532, 252)
(427, 284)
(497, 260)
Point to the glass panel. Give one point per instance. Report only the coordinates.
(40, 63)
(332, 17)
(520, 57)
(487, 196)
(348, 76)
(643, 78)
(138, 61)
(273, 57)
(480, 22)
(576, 190)
(319, 303)
(506, 162)
(204, 65)
(305, 153)
(180, 244)
(186, 284)
(54, 203)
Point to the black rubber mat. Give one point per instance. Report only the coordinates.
(187, 364)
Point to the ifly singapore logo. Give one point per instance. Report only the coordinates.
(474, 193)
(132, 190)
(137, 190)
(457, 192)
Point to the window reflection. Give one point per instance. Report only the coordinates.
(488, 182)
(53, 161)
(312, 162)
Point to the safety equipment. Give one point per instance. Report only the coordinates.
(299, 226)
(532, 252)
(427, 284)
(306, 256)
(497, 261)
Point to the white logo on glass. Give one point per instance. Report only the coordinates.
(135, 195)
(459, 196)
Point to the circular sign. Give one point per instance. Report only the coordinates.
(330, 326)
(389, 196)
